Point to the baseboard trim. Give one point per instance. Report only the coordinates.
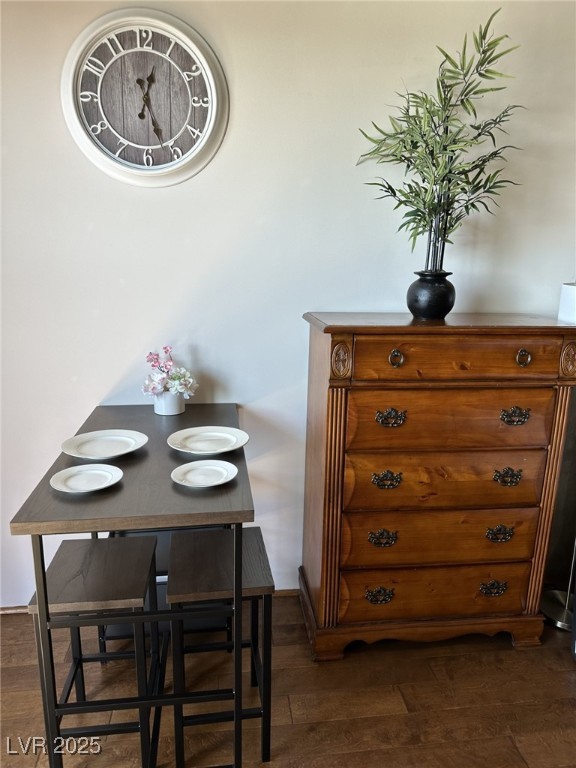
(14, 609)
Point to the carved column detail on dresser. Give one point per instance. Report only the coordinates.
(432, 460)
(335, 456)
(568, 360)
(549, 497)
(341, 360)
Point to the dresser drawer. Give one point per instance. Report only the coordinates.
(460, 418)
(421, 358)
(380, 540)
(421, 593)
(443, 479)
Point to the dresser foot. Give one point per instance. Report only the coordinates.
(325, 644)
(529, 634)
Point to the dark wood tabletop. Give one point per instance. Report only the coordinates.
(146, 497)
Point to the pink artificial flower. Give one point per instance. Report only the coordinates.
(166, 378)
(153, 358)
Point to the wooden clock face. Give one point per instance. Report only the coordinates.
(145, 97)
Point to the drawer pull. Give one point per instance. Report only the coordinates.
(523, 358)
(383, 538)
(396, 358)
(515, 416)
(386, 480)
(493, 588)
(390, 417)
(379, 595)
(507, 477)
(500, 534)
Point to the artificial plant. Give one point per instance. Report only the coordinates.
(439, 139)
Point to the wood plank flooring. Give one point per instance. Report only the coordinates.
(472, 702)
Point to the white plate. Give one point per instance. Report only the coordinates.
(104, 444)
(203, 474)
(203, 440)
(85, 478)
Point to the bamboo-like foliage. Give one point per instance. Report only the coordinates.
(436, 138)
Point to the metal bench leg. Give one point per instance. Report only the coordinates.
(142, 680)
(266, 686)
(179, 684)
(76, 649)
(254, 639)
(154, 631)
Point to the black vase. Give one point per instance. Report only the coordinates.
(432, 296)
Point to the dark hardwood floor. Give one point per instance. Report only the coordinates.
(472, 702)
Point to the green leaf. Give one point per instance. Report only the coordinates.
(448, 58)
(437, 139)
(477, 44)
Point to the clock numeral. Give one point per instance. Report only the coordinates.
(172, 44)
(114, 44)
(122, 146)
(89, 96)
(194, 132)
(95, 66)
(99, 127)
(196, 102)
(147, 157)
(194, 72)
(175, 151)
(144, 38)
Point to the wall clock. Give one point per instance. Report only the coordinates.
(145, 97)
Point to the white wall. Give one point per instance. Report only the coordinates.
(96, 272)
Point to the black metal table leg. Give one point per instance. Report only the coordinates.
(45, 655)
(237, 645)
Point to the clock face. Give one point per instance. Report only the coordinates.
(145, 97)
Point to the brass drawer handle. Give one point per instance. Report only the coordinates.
(500, 534)
(523, 358)
(515, 416)
(390, 417)
(383, 538)
(396, 358)
(493, 588)
(386, 480)
(379, 595)
(507, 477)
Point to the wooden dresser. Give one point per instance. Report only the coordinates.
(432, 461)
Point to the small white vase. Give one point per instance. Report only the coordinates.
(168, 404)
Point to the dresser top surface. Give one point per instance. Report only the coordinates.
(383, 322)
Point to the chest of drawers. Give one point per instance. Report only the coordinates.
(432, 460)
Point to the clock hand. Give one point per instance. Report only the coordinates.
(155, 127)
(150, 79)
(145, 97)
(146, 103)
(140, 82)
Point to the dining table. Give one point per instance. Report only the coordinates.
(152, 494)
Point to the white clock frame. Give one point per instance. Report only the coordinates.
(177, 171)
